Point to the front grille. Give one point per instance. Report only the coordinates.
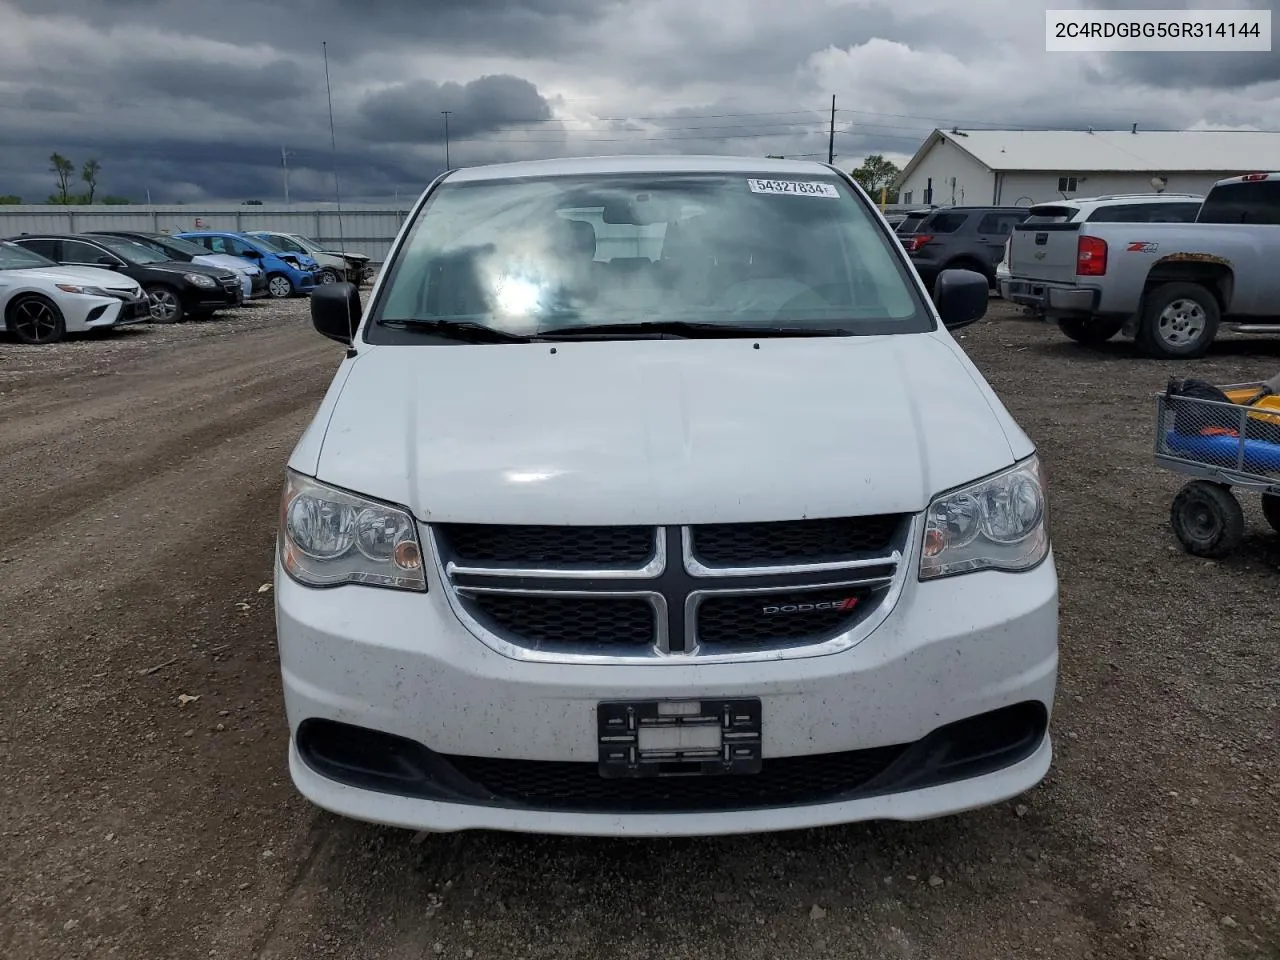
(749, 589)
(793, 541)
(754, 619)
(543, 546)
(577, 623)
(578, 786)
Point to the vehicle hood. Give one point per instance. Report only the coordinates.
(662, 431)
(88, 276)
(227, 262)
(175, 266)
(329, 260)
(303, 260)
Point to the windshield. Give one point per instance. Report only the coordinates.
(14, 257)
(1245, 201)
(912, 221)
(542, 253)
(1051, 214)
(267, 245)
(133, 252)
(178, 245)
(306, 245)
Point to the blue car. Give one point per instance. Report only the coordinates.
(288, 274)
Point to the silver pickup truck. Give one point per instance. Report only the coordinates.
(1170, 286)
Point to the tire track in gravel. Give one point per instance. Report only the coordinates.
(83, 462)
(152, 829)
(85, 398)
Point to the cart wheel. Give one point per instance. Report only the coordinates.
(1207, 519)
(1271, 510)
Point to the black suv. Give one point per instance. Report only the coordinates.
(176, 290)
(967, 238)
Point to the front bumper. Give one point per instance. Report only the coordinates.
(209, 299)
(96, 313)
(402, 664)
(257, 286)
(357, 271)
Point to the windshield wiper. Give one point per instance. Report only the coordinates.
(685, 328)
(466, 331)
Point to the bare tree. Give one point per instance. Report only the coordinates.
(89, 174)
(65, 169)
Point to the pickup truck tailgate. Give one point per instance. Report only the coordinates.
(1044, 251)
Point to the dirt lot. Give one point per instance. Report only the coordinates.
(140, 475)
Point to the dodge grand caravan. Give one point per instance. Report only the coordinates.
(653, 496)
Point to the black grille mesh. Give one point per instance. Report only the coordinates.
(794, 541)
(742, 620)
(523, 545)
(579, 786)
(578, 623)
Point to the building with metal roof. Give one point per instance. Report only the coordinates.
(1021, 167)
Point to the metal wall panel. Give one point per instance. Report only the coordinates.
(364, 229)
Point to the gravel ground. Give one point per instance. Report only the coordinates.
(141, 471)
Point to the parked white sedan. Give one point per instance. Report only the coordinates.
(41, 302)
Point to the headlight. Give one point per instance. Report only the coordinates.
(328, 537)
(84, 291)
(999, 523)
(200, 280)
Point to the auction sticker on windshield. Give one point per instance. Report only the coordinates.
(804, 188)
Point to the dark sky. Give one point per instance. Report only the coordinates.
(194, 101)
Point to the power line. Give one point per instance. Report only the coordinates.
(577, 139)
(816, 114)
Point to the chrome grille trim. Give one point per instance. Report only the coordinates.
(657, 601)
(698, 569)
(706, 582)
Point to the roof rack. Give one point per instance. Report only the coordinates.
(1137, 196)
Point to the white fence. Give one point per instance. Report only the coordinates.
(365, 228)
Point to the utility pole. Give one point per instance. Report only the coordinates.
(446, 137)
(831, 133)
(284, 162)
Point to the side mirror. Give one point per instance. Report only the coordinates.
(252, 253)
(335, 310)
(106, 262)
(961, 297)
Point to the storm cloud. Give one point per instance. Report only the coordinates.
(189, 102)
(413, 112)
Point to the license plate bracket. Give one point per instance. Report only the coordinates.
(666, 738)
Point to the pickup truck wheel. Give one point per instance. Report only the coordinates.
(1207, 519)
(1090, 331)
(1271, 510)
(1179, 321)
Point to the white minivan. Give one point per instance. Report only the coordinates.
(654, 497)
